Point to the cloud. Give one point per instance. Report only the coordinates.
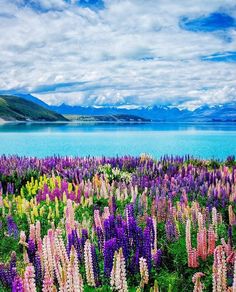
(119, 52)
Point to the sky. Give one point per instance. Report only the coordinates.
(119, 53)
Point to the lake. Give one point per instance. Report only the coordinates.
(209, 140)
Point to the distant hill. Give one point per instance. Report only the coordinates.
(107, 118)
(13, 108)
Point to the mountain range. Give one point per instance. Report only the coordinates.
(224, 113)
(220, 113)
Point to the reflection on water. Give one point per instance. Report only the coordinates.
(41, 139)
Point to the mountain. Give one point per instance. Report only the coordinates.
(34, 99)
(224, 113)
(14, 108)
(156, 113)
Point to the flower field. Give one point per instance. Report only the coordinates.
(117, 224)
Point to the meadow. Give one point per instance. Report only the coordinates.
(117, 224)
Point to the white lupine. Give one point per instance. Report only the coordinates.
(118, 280)
(143, 268)
(89, 264)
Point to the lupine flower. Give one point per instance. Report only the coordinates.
(89, 264)
(202, 243)
(109, 250)
(157, 257)
(118, 273)
(12, 227)
(171, 231)
(143, 268)
(29, 279)
(211, 240)
(18, 285)
(198, 287)
(219, 270)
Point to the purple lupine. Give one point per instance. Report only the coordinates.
(17, 285)
(110, 247)
(100, 238)
(149, 224)
(84, 236)
(31, 250)
(171, 231)
(12, 227)
(95, 265)
(157, 258)
(38, 269)
(147, 251)
(6, 275)
(78, 243)
(10, 188)
(122, 241)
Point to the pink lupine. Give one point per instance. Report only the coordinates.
(232, 216)
(198, 287)
(202, 243)
(193, 258)
(226, 246)
(97, 219)
(38, 237)
(201, 221)
(188, 236)
(234, 280)
(70, 217)
(106, 213)
(32, 234)
(211, 240)
(192, 252)
(29, 279)
(47, 281)
(219, 270)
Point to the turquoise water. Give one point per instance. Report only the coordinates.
(157, 139)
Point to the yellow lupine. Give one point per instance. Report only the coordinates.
(41, 211)
(19, 205)
(6, 203)
(57, 208)
(32, 217)
(35, 211)
(64, 198)
(47, 199)
(50, 213)
(70, 187)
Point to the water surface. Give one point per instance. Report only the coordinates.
(209, 140)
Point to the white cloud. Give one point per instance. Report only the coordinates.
(131, 52)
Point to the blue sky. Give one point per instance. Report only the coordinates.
(118, 52)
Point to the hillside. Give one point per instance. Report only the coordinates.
(13, 108)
